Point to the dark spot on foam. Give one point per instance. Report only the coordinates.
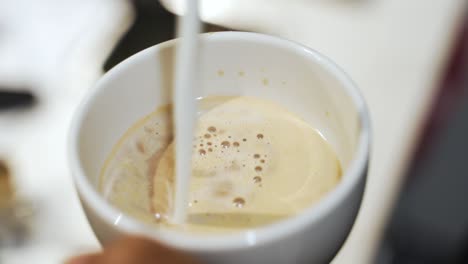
(223, 189)
(141, 147)
(238, 202)
(225, 144)
(148, 129)
(212, 129)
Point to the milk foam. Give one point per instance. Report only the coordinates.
(253, 163)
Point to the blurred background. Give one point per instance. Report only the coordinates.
(410, 59)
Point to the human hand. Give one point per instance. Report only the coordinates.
(134, 250)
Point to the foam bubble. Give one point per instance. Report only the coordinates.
(158, 217)
(238, 202)
(225, 144)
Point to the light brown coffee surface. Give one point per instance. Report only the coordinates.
(254, 163)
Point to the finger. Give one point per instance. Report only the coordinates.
(136, 250)
(84, 259)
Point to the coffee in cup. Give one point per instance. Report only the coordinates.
(254, 163)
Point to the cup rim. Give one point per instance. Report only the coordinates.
(250, 237)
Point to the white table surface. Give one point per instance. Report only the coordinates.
(394, 50)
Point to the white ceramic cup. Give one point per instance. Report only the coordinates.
(234, 63)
